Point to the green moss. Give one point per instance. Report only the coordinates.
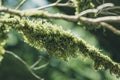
(57, 42)
(103, 62)
(77, 4)
(3, 37)
(81, 5)
(62, 44)
(2, 51)
(52, 38)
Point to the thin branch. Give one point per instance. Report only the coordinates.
(103, 12)
(37, 62)
(0, 2)
(20, 4)
(105, 5)
(60, 16)
(50, 5)
(40, 67)
(95, 11)
(73, 18)
(22, 61)
(101, 19)
(88, 11)
(112, 8)
(11, 11)
(67, 4)
(111, 28)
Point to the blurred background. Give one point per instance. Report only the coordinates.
(56, 69)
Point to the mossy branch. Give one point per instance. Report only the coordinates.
(101, 21)
(59, 43)
(3, 36)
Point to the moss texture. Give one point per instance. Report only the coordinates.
(81, 5)
(52, 38)
(63, 44)
(60, 43)
(3, 37)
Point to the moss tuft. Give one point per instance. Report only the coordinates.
(54, 39)
(2, 51)
(3, 37)
(62, 44)
(81, 5)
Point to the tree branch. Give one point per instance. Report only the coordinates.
(22, 61)
(54, 4)
(111, 28)
(55, 40)
(0, 3)
(101, 19)
(20, 4)
(73, 18)
(61, 45)
(95, 11)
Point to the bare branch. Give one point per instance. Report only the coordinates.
(112, 8)
(20, 4)
(105, 5)
(22, 61)
(67, 4)
(88, 11)
(40, 67)
(101, 19)
(99, 8)
(0, 2)
(111, 28)
(73, 18)
(37, 62)
(61, 16)
(50, 5)
(11, 11)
